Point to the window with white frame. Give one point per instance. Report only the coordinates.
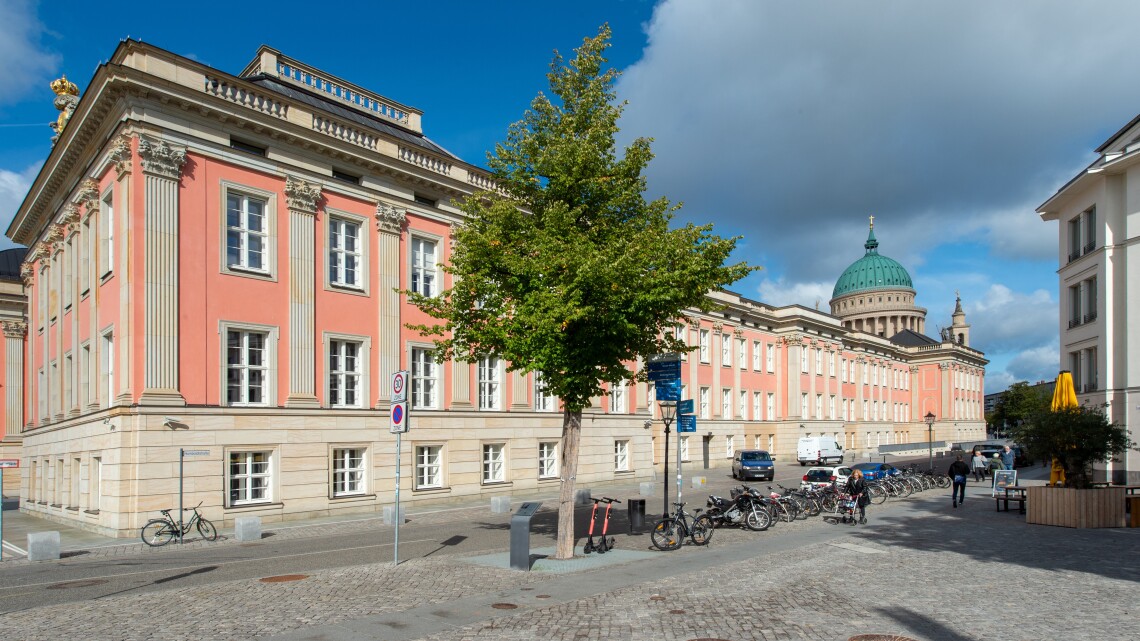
(250, 477)
(424, 266)
(771, 409)
(704, 345)
(726, 403)
(866, 366)
(247, 232)
(429, 466)
(851, 364)
(348, 471)
(547, 459)
(704, 402)
(494, 462)
(741, 353)
(489, 383)
(771, 443)
(618, 398)
(425, 379)
(85, 248)
(831, 364)
(742, 405)
(107, 233)
(818, 361)
(725, 350)
(107, 362)
(344, 373)
(804, 405)
(804, 359)
(729, 446)
(684, 445)
(866, 410)
(621, 456)
(246, 367)
(756, 413)
(843, 370)
(770, 357)
(831, 407)
(819, 405)
(756, 442)
(544, 400)
(345, 253)
(756, 353)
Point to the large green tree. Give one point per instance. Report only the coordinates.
(1076, 437)
(565, 269)
(1020, 403)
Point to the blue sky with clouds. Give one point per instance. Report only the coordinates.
(785, 122)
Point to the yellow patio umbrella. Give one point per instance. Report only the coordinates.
(1064, 397)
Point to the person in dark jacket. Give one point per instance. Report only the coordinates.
(958, 473)
(857, 487)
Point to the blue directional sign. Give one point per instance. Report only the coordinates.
(685, 406)
(666, 369)
(668, 390)
(686, 422)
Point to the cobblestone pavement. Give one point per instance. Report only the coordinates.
(920, 569)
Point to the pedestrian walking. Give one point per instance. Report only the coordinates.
(958, 472)
(978, 463)
(857, 488)
(1007, 458)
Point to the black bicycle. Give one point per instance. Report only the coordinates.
(670, 532)
(159, 532)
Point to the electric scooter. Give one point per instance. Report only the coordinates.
(605, 544)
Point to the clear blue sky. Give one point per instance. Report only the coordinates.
(785, 122)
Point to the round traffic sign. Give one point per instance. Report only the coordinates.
(397, 414)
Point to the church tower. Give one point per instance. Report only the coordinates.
(958, 327)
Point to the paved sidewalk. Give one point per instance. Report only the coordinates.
(920, 569)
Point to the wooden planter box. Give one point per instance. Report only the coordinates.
(1069, 507)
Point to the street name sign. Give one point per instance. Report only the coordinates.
(685, 406)
(195, 452)
(664, 367)
(9, 462)
(668, 390)
(686, 423)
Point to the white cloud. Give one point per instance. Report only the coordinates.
(24, 63)
(1036, 364)
(13, 188)
(780, 292)
(1005, 320)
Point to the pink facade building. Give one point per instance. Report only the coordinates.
(214, 263)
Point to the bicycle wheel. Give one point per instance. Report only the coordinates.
(758, 520)
(207, 530)
(702, 530)
(157, 532)
(878, 494)
(666, 535)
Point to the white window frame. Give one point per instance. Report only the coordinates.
(831, 407)
(804, 359)
(424, 268)
(729, 446)
(271, 342)
(757, 352)
(771, 407)
(726, 402)
(804, 405)
(335, 273)
(548, 459)
(544, 402)
(245, 456)
(348, 470)
(741, 353)
(268, 269)
(725, 350)
(703, 401)
(618, 395)
(106, 366)
(819, 361)
(756, 407)
(831, 364)
(107, 232)
(770, 357)
(429, 469)
(704, 345)
(621, 455)
(363, 387)
(494, 458)
(819, 406)
(742, 404)
(425, 375)
(684, 447)
(489, 374)
(843, 370)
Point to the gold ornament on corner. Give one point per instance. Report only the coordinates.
(66, 99)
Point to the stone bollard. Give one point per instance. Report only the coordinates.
(699, 481)
(582, 497)
(647, 489)
(247, 528)
(43, 546)
(390, 516)
(500, 504)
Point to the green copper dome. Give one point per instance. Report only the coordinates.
(872, 272)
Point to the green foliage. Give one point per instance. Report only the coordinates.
(1020, 403)
(1077, 437)
(566, 269)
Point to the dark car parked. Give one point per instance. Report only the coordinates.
(753, 464)
(875, 471)
(1019, 459)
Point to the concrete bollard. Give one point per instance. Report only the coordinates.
(500, 504)
(699, 481)
(247, 528)
(390, 515)
(43, 546)
(647, 489)
(582, 497)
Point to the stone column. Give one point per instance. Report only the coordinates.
(162, 171)
(123, 161)
(14, 334)
(390, 223)
(302, 198)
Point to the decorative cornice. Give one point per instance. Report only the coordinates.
(161, 159)
(15, 329)
(391, 220)
(739, 333)
(121, 154)
(55, 233)
(88, 195)
(70, 215)
(27, 273)
(694, 322)
(301, 196)
(717, 326)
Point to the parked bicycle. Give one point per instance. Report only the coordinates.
(159, 532)
(670, 532)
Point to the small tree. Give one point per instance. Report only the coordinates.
(1076, 437)
(1018, 404)
(566, 270)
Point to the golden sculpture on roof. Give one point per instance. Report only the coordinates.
(66, 98)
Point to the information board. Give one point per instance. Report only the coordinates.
(1004, 479)
(686, 423)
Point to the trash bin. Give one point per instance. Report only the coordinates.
(636, 509)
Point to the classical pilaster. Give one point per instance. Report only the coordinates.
(56, 373)
(15, 333)
(302, 199)
(122, 158)
(70, 220)
(520, 400)
(162, 170)
(389, 226)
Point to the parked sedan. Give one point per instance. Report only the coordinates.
(875, 471)
(825, 476)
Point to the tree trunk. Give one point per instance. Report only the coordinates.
(571, 435)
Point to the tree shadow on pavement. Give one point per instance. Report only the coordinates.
(921, 624)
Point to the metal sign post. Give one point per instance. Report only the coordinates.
(4, 463)
(664, 371)
(685, 423)
(399, 413)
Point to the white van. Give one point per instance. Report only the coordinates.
(818, 450)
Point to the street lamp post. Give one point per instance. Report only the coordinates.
(668, 413)
(930, 437)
